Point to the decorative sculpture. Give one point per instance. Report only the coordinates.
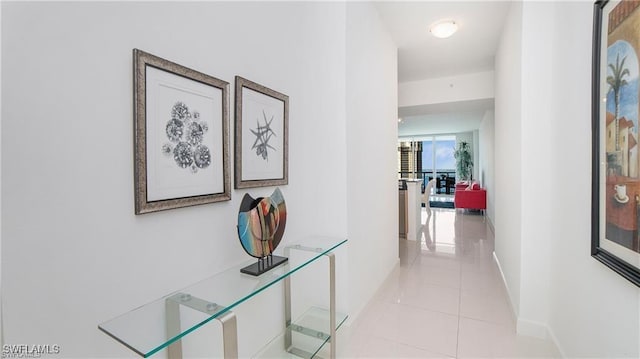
(261, 224)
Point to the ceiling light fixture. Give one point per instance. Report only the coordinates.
(443, 29)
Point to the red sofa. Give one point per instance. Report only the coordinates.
(470, 197)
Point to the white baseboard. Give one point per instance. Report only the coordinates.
(353, 317)
(491, 226)
(532, 329)
(527, 327)
(555, 342)
(506, 287)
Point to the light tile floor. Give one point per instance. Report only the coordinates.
(446, 300)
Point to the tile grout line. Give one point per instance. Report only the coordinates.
(458, 329)
(459, 304)
(473, 255)
(459, 311)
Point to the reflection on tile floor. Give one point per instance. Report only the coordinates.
(446, 300)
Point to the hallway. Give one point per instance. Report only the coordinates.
(446, 300)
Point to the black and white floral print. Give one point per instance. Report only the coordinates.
(185, 132)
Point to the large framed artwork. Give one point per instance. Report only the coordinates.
(616, 163)
(181, 134)
(261, 136)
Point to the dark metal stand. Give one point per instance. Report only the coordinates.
(264, 265)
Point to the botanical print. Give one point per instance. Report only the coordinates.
(263, 135)
(185, 132)
(261, 145)
(622, 192)
(181, 135)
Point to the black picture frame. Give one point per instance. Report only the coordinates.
(188, 166)
(615, 214)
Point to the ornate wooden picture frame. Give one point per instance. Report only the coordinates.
(261, 136)
(181, 135)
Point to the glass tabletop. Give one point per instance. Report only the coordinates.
(143, 329)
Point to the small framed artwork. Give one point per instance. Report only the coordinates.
(616, 161)
(261, 136)
(181, 135)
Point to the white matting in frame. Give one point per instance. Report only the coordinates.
(184, 124)
(615, 101)
(261, 136)
(181, 136)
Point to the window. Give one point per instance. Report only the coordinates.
(410, 159)
(437, 155)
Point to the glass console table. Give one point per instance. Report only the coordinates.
(158, 325)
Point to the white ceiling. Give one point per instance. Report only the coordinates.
(438, 124)
(446, 118)
(447, 107)
(422, 56)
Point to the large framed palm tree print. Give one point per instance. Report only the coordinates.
(616, 162)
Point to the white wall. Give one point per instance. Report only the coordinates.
(508, 152)
(593, 311)
(447, 89)
(537, 122)
(486, 167)
(442, 123)
(523, 163)
(556, 288)
(1, 321)
(74, 254)
(371, 152)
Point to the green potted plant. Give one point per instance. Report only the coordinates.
(464, 161)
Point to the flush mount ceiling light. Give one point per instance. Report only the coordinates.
(443, 29)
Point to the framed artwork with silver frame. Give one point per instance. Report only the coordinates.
(181, 135)
(261, 136)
